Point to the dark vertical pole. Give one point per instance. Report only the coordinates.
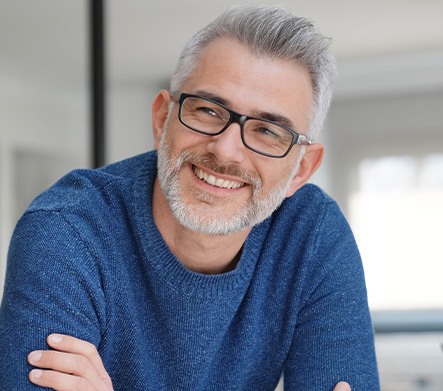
(97, 82)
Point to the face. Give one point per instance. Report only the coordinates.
(214, 184)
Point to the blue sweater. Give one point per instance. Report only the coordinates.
(87, 260)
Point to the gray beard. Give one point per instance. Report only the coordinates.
(257, 209)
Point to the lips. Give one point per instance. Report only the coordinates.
(217, 182)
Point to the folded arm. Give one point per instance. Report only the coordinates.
(76, 365)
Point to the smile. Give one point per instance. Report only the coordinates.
(217, 182)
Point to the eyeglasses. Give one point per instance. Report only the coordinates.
(209, 117)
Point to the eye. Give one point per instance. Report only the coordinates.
(208, 110)
(267, 132)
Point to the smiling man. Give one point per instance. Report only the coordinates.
(215, 189)
(209, 264)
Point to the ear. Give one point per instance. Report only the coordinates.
(160, 107)
(308, 165)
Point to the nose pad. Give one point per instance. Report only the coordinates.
(228, 146)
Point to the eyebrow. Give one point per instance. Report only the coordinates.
(273, 117)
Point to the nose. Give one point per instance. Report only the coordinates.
(228, 146)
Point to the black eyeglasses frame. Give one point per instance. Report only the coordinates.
(297, 138)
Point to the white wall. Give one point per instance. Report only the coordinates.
(129, 119)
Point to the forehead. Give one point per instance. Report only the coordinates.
(251, 84)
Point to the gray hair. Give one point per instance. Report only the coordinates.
(269, 31)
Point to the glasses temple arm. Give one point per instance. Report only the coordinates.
(303, 140)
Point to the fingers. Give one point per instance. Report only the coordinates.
(66, 343)
(60, 381)
(65, 364)
(75, 365)
(342, 386)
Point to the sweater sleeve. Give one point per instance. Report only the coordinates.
(333, 338)
(52, 285)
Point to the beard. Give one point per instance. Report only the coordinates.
(204, 217)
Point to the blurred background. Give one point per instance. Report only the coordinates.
(383, 137)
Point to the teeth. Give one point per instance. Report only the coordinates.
(218, 182)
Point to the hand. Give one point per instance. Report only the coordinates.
(342, 386)
(73, 365)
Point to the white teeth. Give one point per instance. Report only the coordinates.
(218, 182)
(210, 179)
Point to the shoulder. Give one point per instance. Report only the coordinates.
(311, 228)
(310, 208)
(310, 196)
(85, 210)
(74, 224)
(86, 186)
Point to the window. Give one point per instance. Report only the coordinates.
(397, 214)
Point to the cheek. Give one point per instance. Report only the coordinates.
(278, 178)
(180, 139)
(276, 171)
(172, 139)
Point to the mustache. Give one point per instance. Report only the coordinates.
(212, 164)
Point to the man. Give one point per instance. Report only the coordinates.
(222, 272)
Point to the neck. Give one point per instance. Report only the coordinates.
(201, 253)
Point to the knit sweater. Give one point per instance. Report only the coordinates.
(87, 259)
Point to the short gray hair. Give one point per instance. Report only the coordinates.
(269, 31)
